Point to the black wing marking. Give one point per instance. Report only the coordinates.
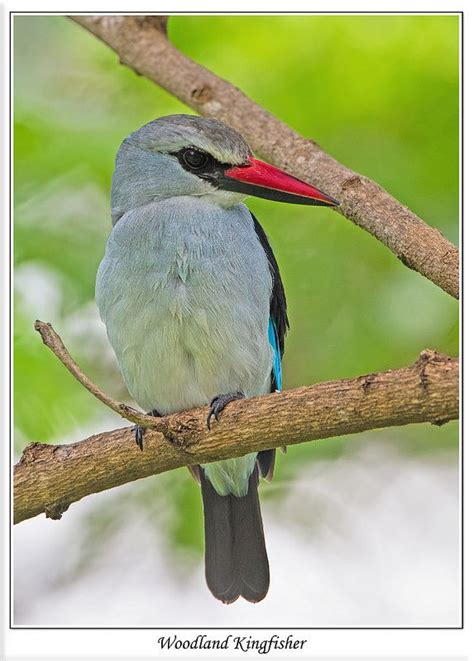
(266, 458)
(278, 300)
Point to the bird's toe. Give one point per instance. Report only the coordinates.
(218, 404)
(139, 431)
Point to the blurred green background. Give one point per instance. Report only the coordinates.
(379, 93)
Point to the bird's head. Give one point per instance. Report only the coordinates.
(186, 155)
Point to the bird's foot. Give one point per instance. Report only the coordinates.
(139, 431)
(219, 403)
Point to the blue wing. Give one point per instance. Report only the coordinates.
(278, 323)
(273, 338)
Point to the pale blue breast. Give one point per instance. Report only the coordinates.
(184, 290)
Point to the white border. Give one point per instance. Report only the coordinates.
(52, 644)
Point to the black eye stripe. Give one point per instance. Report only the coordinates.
(201, 164)
(195, 160)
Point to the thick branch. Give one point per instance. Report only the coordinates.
(48, 478)
(142, 44)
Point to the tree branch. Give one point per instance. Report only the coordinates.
(52, 340)
(142, 44)
(48, 478)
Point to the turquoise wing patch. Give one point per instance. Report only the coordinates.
(273, 339)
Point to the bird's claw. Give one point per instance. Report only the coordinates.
(139, 430)
(219, 403)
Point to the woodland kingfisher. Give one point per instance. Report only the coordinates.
(195, 310)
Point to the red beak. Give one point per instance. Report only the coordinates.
(264, 180)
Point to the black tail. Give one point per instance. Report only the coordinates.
(236, 557)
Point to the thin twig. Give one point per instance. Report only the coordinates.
(53, 341)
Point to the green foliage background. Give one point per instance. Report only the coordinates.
(380, 93)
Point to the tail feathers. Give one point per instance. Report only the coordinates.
(266, 464)
(236, 557)
(250, 554)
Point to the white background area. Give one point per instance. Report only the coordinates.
(375, 544)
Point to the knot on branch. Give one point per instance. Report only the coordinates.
(439, 422)
(367, 381)
(56, 510)
(155, 22)
(428, 358)
(36, 452)
(202, 94)
(183, 431)
(431, 356)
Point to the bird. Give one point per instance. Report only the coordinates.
(195, 309)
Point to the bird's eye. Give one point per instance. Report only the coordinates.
(195, 159)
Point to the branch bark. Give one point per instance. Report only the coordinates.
(142, 44)
(48, 478)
